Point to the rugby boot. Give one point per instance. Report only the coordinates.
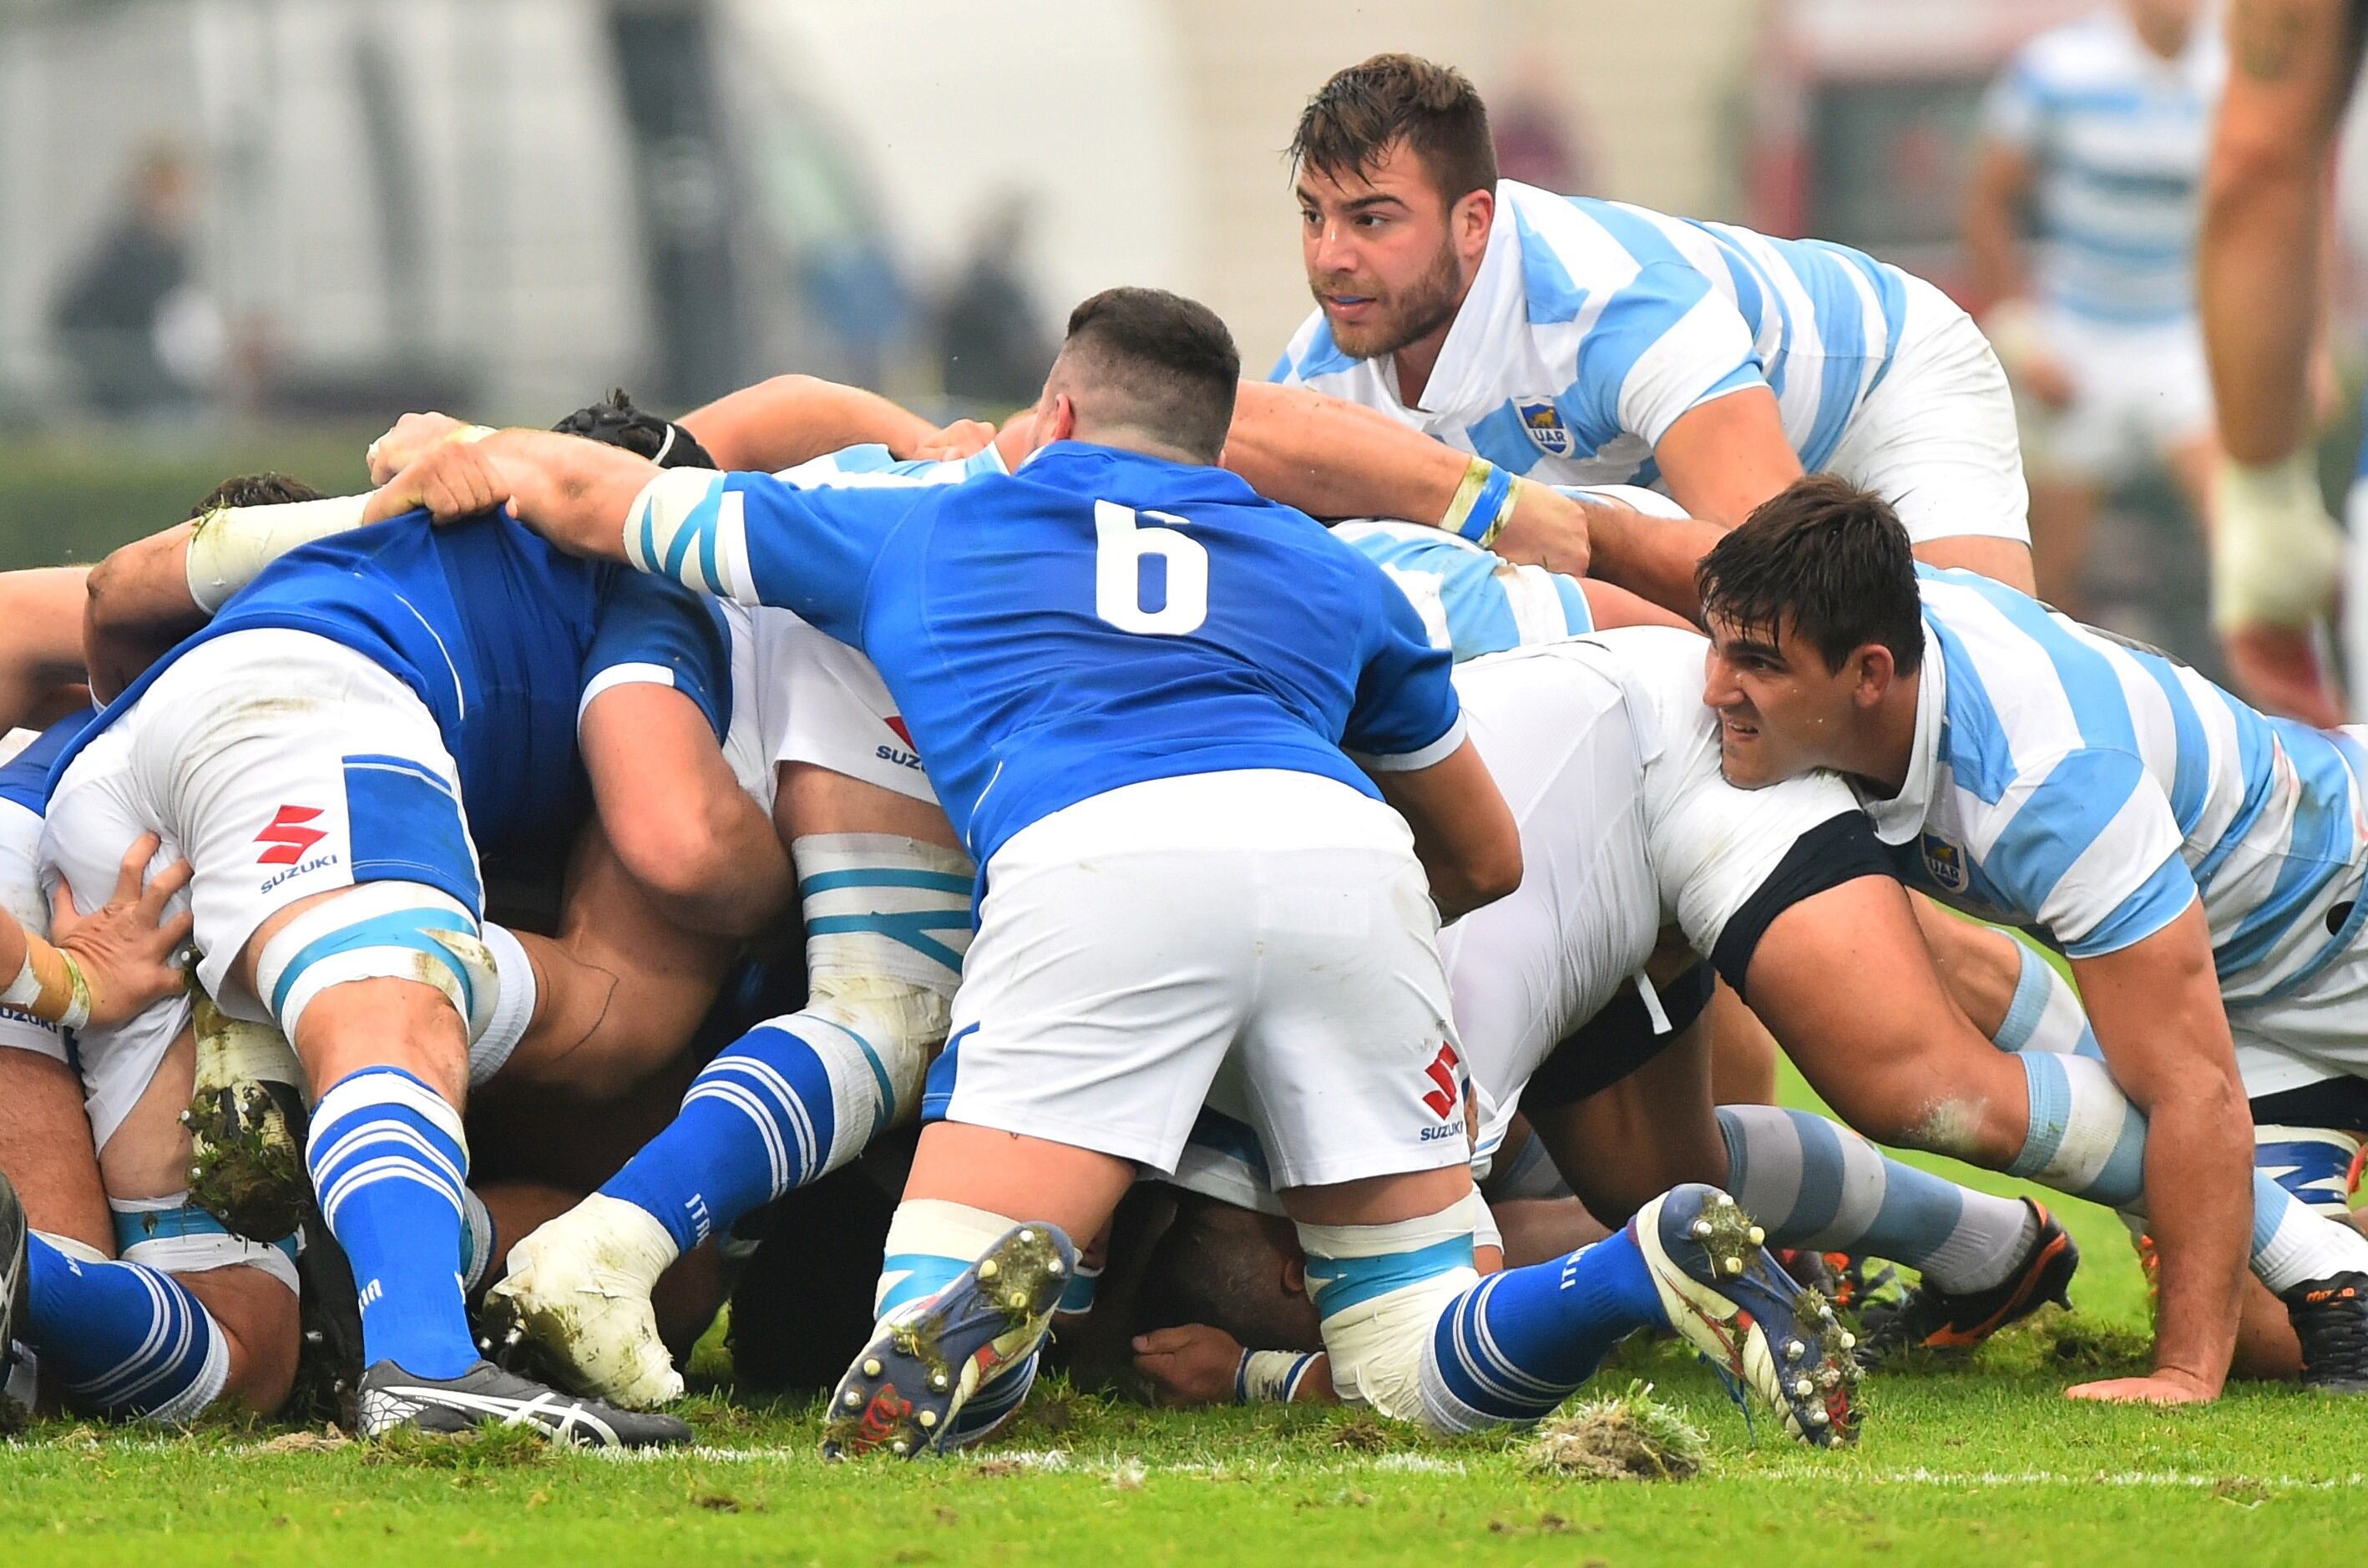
(2331, 1319)
(390, 1397)
(1729, 1299)
(1934, 1318)
(246, 1124)
(574, 1305)
(928, 1356)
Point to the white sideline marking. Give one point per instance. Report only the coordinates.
(1061, 1460)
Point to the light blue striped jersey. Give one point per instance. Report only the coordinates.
(2065, 778)
(1471, 601)
(2117, 137)
(1592, 326)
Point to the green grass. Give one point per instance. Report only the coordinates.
(1984, 1462)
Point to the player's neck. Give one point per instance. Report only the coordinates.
(1883, 743)
(1416, 361)
(2165, 38)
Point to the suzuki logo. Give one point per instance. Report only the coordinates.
(287, 838)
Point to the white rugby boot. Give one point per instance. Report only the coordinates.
(575, 1304)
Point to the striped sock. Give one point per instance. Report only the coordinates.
(789, 1100)
(2084, 1136)
(2293, 1244)
(125, 1339)
(1518, 1343)
(390, 1165)
(2045, 1013)
(1815, 1184)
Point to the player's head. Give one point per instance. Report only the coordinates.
(255, 490)
(2167, 24)
(1235, 1269)
(1397, 180)
(1143, 369)
(1814, 618)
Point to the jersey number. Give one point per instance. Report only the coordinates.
(1121, 544)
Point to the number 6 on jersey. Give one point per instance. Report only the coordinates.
(1119, 546)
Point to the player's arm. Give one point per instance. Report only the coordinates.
(787, 420)
(2002, 176)
(677, 818)
(41, 669)
(2155, 1006)
(1463, 833)
(1723, 457)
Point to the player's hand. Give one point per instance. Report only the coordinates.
(404, 442)
(453, 479)
(1192, 1365)
(963, 439)
(125, 947)
(2171, 1387)
(1550, 529)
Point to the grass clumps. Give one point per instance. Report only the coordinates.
(1623, 1436)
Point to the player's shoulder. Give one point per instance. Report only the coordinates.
(2081, 55)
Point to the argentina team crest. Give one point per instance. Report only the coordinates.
(1944, 863)
(1543, 423)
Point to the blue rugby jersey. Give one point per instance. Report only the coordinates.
(1096, 620)
(1592, 326)
(497, 632)
(2117, 138)
(2065, 778)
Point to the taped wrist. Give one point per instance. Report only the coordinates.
(2275, 553)
(1271, 1377)
(232, 545)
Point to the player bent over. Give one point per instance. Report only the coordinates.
(2200, 864)
(1186, 879)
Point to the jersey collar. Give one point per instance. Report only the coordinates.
(1900, 819)
(1467, 379)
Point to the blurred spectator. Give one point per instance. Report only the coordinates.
(141, 336)
(991, 335)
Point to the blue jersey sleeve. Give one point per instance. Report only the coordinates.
(1406, 714)
(752, 538)
(660, 633)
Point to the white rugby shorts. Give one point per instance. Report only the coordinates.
(1937, 437)
(2139, 393)
(21, 895)
(1262, 940)
(282, 764)
(821, 703)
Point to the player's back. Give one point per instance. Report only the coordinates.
(1103, 618)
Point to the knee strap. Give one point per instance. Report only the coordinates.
(176, 1236)
(380, 931)
(879, 905)
(1380, 1289)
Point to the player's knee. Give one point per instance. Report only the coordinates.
(248, 1287)
(1380, 1290)
(385, 930)
(897, 1026)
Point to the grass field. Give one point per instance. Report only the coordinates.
(1957, 1464)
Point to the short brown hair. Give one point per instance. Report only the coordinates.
(1352, 123)
(1168, 358)
(1826, 558)
(255, 490)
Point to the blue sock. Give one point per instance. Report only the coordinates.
(763, 1118)
(1815, 1184)
(1517, 1344)
(125, 1340)
(390, 1166)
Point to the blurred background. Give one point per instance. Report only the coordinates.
(244, 233)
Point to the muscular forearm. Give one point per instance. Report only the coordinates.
(1653, 558)
(573, 491)
(787, 420)
(750, 883)
(1992, 253)
(1332, 458)
(2200, 1208)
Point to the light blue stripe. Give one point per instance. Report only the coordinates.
(1577, 615)
(906, 927)
(2049, 1090)
(134, 1227)
(2030, 1004)
(411, 928)
(1335, 1284)
(1502, 440)
(2191, 777)
(927, 1274)
(2317, 852)
(1920, 1210)
(1820, 1196)
(2123, 1181)
(2271, 1205)
(1973, 739)
(885, 877)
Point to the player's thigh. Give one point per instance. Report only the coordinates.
(46, 1151)
(1628, 1113)
(1348, 1066)
(832, 724)
(287, 767)
(1099, 994)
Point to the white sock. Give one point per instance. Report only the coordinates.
(514, 1002)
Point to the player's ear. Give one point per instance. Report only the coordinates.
(1874, 670)
(1468, 222)
(1056, 419)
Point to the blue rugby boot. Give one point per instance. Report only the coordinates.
(1729, 1299)
(928, 1357)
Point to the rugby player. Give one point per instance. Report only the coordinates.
(2199, 864)
(368, 703)
(2101, 126)
(1186, 881)
(2261, 264)
(1571, 340)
